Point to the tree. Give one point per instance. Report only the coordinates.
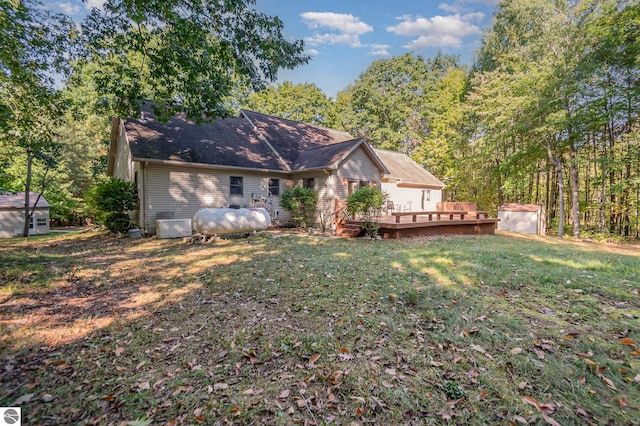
(184, 56)
(299, 102)
(301, 203)
(34, 46)
(367, 202)
(110, 202)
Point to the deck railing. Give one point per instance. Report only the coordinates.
(442, 215)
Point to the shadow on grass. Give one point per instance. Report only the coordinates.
(116, 329)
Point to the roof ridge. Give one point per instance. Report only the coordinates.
(280, 158)
(317, 126)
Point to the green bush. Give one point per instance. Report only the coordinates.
(301, 204)
(366, 203)
(110, 201)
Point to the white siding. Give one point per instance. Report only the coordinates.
(12, 222)
(357, 167)
(403, 195)
(179, 192)
(522, 222)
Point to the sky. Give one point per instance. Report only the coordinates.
(344, 37)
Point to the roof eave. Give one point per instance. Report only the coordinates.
(205, 165)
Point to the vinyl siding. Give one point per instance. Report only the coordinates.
(324, 184)
(357, 167)
(182, 191)
(401, 195)
(123, 166)
(12, 222)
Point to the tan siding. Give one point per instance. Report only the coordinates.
(324, 186)
(123, 166)
(182, 191)
(357, 167)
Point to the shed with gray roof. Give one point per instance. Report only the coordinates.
(12, 214)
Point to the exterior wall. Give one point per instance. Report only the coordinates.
(12, 222)
(523, 222)
(123, 165)
(324, 184)
(179, 192)
(357, 167)
(413, 197)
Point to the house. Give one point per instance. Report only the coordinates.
(522, 218)
(180, 167)
(12, 214)
(410, 187)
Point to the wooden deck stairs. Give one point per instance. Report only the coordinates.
(344, 226)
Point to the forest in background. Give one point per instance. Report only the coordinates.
(547, 114)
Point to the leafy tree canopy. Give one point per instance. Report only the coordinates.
(184, 56)
(300, 102)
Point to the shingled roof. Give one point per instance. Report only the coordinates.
(406, 171)
(225, 142)
(290, 138)
(15, 200)
(252, 141)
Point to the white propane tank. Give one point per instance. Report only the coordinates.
(230, 221)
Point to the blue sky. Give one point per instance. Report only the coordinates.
(345, 36)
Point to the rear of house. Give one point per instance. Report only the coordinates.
(180, 167)
(12, 214)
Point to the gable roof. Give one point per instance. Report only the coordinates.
(251, 141)
(406, 171)
(225, 142)
(15, 200)
(290, 138)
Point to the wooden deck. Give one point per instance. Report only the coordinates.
(407, 224)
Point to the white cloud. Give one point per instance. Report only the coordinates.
(312, 52)
(90, 4)
(343, 28)
(379, 50)
(438, 31)
(68, 8)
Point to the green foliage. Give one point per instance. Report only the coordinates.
(301, 204)
(184, 56)
(110, 201)
(366, 203)
(301, 102)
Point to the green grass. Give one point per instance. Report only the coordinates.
(287, 329)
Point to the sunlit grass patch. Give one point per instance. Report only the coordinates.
(294, 329)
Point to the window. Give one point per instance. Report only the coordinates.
(235, 187)
(353, 185)
(274, 187)
(41, 221)
(308, 183)
(363, 183)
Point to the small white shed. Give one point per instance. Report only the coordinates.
(523, 218)
(12, 214)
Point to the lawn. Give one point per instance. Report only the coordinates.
(295, 329)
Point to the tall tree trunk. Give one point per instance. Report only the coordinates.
(575, 194)
(557, 162)
(27, 191)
